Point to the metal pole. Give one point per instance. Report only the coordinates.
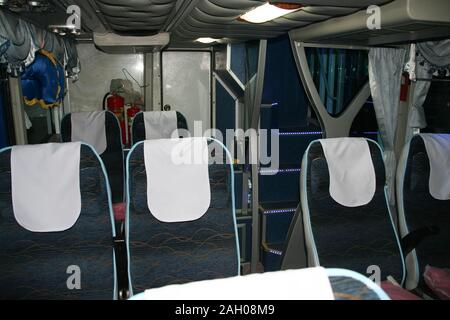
(18, 112)
(254, 147)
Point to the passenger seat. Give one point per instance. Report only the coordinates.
(423, 194)
(100, 129)
(180, 223)
(56, 224)
(150, 125)
(345, 219)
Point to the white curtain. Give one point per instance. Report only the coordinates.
(416, 115)
(437, 55)
(433, 58)
(385, 76)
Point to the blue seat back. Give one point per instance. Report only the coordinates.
(353, 238)
(39, 265)
(418, 209)
(113, 155)
(172, 253)
(138, 126)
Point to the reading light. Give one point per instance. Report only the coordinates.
(207, 40)
(268, 12)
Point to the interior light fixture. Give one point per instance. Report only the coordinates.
(206, 40)
(269, 11)
(34, 3)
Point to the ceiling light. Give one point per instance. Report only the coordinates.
(268, 12)
(206, 40)
(34, 3)
(3, 2)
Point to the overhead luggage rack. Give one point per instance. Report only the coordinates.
(402, 21)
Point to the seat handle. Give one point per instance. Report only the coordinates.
(412, 240)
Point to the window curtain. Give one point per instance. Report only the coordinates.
(385, 73)
(73, 66)
(428, 59)
(416, 115)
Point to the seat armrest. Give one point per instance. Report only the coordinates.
(412, 240)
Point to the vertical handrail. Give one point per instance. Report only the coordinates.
(254, 148)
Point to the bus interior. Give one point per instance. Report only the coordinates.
(225, 149)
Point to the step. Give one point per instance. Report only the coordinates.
(292, 145)
(278, 208)
(272, 255)
(277, 220)
(279, 185)
(273, 248)
(367, 134)
(277, 227)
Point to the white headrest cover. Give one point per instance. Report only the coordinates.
(46, 186)
(438, 150)
(89, 127)
(304, 284)
(352, 174)
(160, 124)
(177, 178)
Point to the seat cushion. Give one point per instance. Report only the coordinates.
(438, 280)
(397, 293)
(119, 211)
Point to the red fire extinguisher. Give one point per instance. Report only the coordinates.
(116, 105)
(131, 113)
(404, 87)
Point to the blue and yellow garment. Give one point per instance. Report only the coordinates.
(43, 81)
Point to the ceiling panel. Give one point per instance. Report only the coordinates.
(135, 16)
(219, 18)
(187, 20)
